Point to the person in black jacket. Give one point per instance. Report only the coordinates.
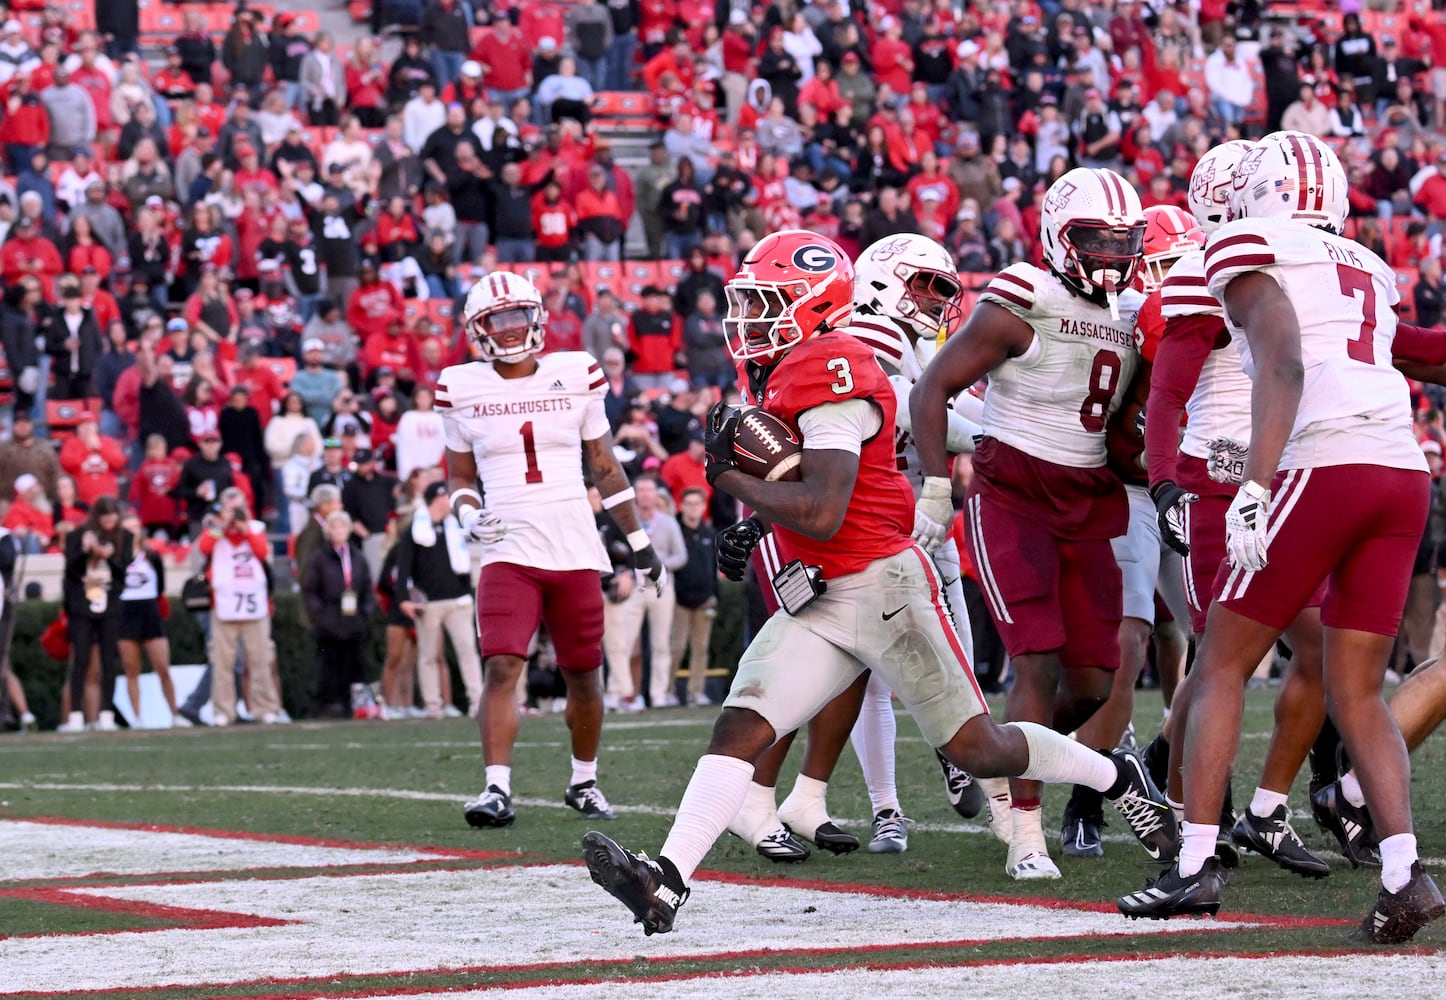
(241, 435)
(336, 586)
(434, 588)
(446, 30)
(369, 498)
(96, 556)
(696, 587)
(698, 278)
(203, 478)
(288, 48)
(119, 23)
(73, 341)
(17, 337)
(246, 54)
(198, 52)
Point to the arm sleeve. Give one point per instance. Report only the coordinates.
(841, 426)
(1418, 344)
(1187, 342)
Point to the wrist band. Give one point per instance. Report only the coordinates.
(466, 494)
(1254, 490)
(620, 497)
(639, 540)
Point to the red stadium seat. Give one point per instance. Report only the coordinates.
(670, 272)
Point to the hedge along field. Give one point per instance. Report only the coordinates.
(43, 677)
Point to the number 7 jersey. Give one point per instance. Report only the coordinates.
(526, 435)
(1054, 400)
(1355, 408)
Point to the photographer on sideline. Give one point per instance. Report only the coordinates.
(236, 548)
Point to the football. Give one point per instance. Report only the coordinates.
(766, 448)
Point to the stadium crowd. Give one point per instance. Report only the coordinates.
(232, 249)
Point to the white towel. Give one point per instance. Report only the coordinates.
(424, 533)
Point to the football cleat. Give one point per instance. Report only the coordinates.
(828, 837)
(587, 798)
(1350, 824)
(1273, 837)
(1079, 833)
(1144, 808)
(1397, 916)
(782, 847)
(1225, 848)
(997, 802)
(636, 881)
(1176, 895)
(492, 808)
(1026, 863)
(891, 833)
(964, 792)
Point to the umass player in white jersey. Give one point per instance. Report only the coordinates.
(1334, 489)
(528, 427)
(1058, 346)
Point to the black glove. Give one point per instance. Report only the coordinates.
(1170, 501)
(646, 564)
(718, 431)
(735, 544)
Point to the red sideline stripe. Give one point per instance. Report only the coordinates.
(174, 916)
(1006, 276)
(1241, 260)
(1009, 297)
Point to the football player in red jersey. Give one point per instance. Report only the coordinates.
(857, 592)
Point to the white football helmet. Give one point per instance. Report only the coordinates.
(500, 307)
(1093, 230)
(911, 280)
(1292, 175)
(1212, 181)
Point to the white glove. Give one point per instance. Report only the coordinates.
(29, 380)
(934, 513)
(1226, 461)
(482, 526)
(1245, 524)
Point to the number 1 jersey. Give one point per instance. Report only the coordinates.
(1355, 408)
(526, 435)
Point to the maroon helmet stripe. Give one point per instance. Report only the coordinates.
(1319, 176)
(1300, 174)
(1114, 179)
(1109, 195)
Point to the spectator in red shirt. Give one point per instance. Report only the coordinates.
(92, 461)
(931, 178)
(553, 221)
(655, 337)
(30, 518)
(152, 486)
(892, 57)
(506, 63)
(564, 329)
(686, 471)
(740, 43)
(262, 385)
(391, 349)
(85, 251)
(676, 59)
(25, 128)
(600, 218)
(1430, 198)
(374, 305)
(27, 252)
(655, 19)
(822, 91)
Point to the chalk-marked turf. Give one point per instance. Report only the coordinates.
(524, 802)
(31, 850)
(419, 921)
(1347, 977)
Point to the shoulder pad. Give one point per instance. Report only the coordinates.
(1016, 288)
(1185, 292)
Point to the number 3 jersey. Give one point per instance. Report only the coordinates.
(526, 435)
(1355, 408)
(1045, 411)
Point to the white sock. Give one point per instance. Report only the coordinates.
(1197, 846)
(1028, 827)
(1351, 789)
(583, 770)
(1060, 760)
(501, 776)
(1266, 802)
(1398, 854)
(1178, 808)
(758, 816)
(873, 739)
(805, 809)
(714, 794)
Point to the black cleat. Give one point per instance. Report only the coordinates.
(1397, 916)
(782, 847)
(1350, 824)
(588, 799)
(1143, 807)
(1273, 837)
(1079, 833)
(1156, 756)
(492, 808)
(964, 792)
(635, 880)
(828, 837)
(1225, 847)
(1172, 895)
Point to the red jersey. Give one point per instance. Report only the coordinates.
(95, 471)
(831, 368)
(553, 224)
(151, 491)
(1149, 327)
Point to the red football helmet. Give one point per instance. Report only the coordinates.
(791, 285)
(1170, 233)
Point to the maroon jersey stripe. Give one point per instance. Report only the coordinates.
(1010, 297)
(1240, 260)
(1006, 276)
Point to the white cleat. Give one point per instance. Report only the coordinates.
(1027, 863)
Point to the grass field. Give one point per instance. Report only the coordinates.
(331, 859)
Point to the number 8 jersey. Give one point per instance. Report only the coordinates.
(1355, 408)
(526, 435)
(1053, 401)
